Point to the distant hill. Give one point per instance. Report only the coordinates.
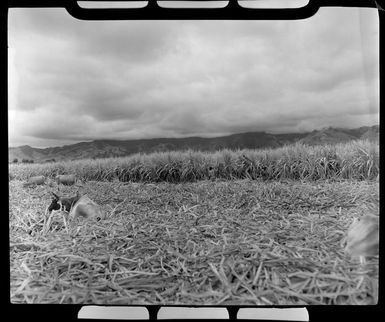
(250, 140)
(339, 135)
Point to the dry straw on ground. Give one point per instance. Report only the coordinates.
(241, 242)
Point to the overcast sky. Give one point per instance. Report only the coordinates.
(73, 80)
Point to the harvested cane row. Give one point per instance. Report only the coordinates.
(206, 243)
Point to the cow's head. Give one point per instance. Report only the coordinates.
(55, 205)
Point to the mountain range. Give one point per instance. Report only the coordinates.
(250, 140)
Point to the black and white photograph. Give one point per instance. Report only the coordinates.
(194, 162)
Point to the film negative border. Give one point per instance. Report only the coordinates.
(232, 11)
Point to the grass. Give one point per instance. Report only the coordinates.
(356, 160)
(223, 242)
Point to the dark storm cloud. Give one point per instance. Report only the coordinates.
(73, 80)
